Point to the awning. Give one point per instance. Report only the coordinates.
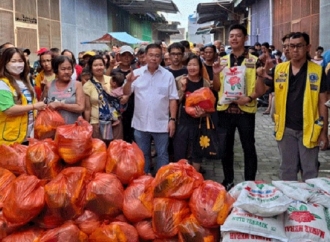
(212, 11)
(169, 31)
(146, 6)
(119, 36)
(205, 30)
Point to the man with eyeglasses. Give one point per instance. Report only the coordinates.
(301, 118)
(176, 51)
(155, 98)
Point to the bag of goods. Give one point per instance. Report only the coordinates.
(299, 191)
(144, 229)
(13, 158)
(321, 198)
(7, 228)
(105, 195)
(28, 235)
(49, 218)
(307, 222)
(25, 199)
(173, 239)
(167, 215)
(95, 162)
(138, 199)
(176, 180)
(238, 237)
(262, 199)
(88, 222)
(191, 230)
(245, 222)
(42, 159)
(6, 179)
(67, 232)
(125, 160)
(237, 189)
(210, 204)
(233, 84)
(322, 183)
(116, 231)
(46, 123)
(65, 194)
(74, 141)
(203, 98)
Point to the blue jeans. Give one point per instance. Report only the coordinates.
(143, 140)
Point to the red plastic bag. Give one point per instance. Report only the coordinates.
(74, 141)
(6, 179)
(7, 228)
(25, 200)
(138, 199)
(125, 160)
(46, 123)
(167, 215)
(13, 158)
(116, 231)
(203, 98)
(176, 180)
(191, 230)
(65, 194)
(28, 235)
(88, 222)
(144, 229)
(95, 162)
(210, 204)
(67, 232)
(42, 159)
(49, 218)
(105, 195)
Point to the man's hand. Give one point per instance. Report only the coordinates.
(131, 77)
(171, 128)
(217, 68)
(242, 100)
(261, 72)
(323, 141)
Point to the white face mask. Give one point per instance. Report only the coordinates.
(15, 68)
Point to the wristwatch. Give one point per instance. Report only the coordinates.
(172, 119)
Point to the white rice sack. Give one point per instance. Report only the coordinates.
(262, 199)
(236, 190)
(244, 222)
(321, 183)
(296, 190)
(321, 198)
(233, 84)
(307, 222)
(239, 237)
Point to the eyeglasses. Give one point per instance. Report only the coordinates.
(298, 46)
(154, 56)
(176, 54)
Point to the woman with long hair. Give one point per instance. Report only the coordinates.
(17, 98)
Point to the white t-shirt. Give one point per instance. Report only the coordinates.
(153, 93)
(25, 91)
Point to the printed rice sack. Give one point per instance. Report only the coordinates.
(116, 231)
(105, 195)
(244, 222)
(299, 191)
(138, 199)
(176, 180)
(234, 84)
(25, 199)
(167, 215)
(307, 222)
(321, 198)
(125, 160)
(262, 199)
(239, 237)
(210, 204)
(237, 189)
(320, 182)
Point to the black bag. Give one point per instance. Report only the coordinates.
(211, 140)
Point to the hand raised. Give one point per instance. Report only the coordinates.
(217, 68)
(131, 77)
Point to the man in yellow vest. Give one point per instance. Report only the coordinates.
(301, 118)
(239, 114)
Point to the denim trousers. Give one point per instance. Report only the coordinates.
(245, 124)
(143, 140)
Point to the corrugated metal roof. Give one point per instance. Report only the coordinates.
(146, 6)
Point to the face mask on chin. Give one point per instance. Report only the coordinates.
(15, 68)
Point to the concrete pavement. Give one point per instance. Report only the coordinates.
(268, 155)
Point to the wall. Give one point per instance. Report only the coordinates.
(324, 24)
(296, 15)
(83, 20)
(260, 23)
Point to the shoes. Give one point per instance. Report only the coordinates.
(227, 185)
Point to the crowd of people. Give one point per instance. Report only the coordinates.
(139, 95)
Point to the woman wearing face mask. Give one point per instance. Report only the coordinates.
(17, 98)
